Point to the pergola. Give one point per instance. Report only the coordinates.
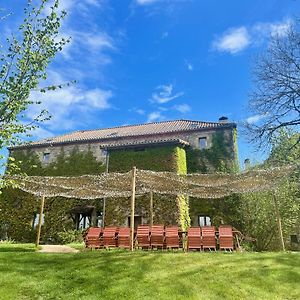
(140, 182)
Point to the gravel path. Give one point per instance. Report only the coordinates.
(57, 249)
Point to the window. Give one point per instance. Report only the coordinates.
(36, 218)
(83, 221)
(204, 221)
(46, 157)
(202, 143)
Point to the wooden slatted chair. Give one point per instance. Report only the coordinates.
(143, 236)
(92, 238)
(109, 237)
(194, 238)
(209, 237)
(124, 237)
(226, 237)
(157, 236)
(172, 237)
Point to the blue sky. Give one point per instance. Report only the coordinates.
(139, 61)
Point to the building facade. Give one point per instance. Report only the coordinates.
(181, 146)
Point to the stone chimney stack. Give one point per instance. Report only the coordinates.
(223, 120)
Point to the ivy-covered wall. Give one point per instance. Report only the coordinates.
(18, 208)
(220, 157)
(167, 210)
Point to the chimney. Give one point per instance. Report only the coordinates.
(223, 120)
(247, 164)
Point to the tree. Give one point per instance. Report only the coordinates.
(258, 211)
(276, 96)
(23, 66)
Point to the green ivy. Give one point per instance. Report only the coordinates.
(219, 157)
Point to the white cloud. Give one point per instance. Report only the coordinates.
(164, 94)
(145, 2)
(233, 41)
(254, 119)
(189, 66)
(95, 43)
(274, 29)
(140, 111)
(155, 116)
(183, 108)
(69, 106)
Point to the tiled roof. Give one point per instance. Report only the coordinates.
(115, 133)
(132, 143)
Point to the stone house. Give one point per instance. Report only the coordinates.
(180, 146)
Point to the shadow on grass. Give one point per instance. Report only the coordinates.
(18, 248)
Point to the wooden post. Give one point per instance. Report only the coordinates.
(279, 222)
(104, 199)
(151, 209)
(103, 211)
(132, 207)
(40, 221)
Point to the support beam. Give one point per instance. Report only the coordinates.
(132, 207)
(40, 221)
(104, 199)
(279, 222)
(103, 212)
(151, 209)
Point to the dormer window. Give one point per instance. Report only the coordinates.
(46, 157)
(202, 143)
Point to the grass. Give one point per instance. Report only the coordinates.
(25, 274)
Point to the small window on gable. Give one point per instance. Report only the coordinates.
(202, 143)
(46, 157)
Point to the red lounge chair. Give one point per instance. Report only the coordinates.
(226, 237)
(124, 237)
(109, 237)
(143, 236)
(209, 237)
(194, 238)
(92, 238)
(172, 238)
(157, 236)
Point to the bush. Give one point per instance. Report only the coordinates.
(70, 236)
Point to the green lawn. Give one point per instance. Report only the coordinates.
(25, 274)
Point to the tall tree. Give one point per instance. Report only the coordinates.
(23, 66)
(276, 96)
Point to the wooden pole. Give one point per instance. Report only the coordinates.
(104, 199)
(40, 221)
(103, 211)
(279, 222)
(132, 207)
(151, 209)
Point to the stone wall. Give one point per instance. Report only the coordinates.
(191, 137)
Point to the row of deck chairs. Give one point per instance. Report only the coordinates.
(202, 238)
(159, 236)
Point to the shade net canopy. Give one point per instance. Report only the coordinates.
(208, 186)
